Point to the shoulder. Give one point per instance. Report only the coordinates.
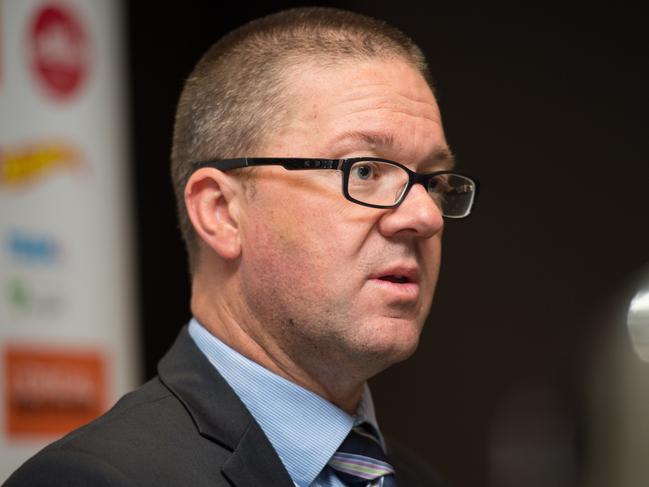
(146, 438)
(59, 467)
(411, 469)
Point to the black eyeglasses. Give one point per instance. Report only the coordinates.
(377, 183)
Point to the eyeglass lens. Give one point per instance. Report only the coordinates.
(383, 184)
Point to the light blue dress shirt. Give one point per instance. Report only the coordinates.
(304, 428)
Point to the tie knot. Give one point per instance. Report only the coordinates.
(360, 459)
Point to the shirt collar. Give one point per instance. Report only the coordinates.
(304, 428)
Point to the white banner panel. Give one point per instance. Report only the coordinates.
(67, 347)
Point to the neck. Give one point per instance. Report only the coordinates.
(226, 318)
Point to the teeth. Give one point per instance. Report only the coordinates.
(397, 279)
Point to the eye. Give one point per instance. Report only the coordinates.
(365, 171)
(439, 185)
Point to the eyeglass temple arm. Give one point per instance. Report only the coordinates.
(288, 163)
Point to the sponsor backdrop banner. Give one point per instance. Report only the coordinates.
(66, 284)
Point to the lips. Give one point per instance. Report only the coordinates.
(398, 275)
(400, 283)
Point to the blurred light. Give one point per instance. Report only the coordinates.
(638, 323)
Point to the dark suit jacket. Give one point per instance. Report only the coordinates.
(185, 427)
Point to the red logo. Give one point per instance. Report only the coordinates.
(59, 50)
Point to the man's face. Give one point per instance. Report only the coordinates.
(328, 281)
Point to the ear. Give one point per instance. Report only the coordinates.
(212, 202)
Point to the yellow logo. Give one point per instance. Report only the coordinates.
(28, 164)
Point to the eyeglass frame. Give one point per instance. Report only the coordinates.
(344, 165)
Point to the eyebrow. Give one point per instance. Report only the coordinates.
(441, 156)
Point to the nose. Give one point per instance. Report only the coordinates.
(417, 215)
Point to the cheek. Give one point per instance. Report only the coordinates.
(285, 250)
(312, 245)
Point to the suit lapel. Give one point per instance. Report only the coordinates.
(251, 466)
(220, 416)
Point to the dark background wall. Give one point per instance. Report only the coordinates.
(548, 111)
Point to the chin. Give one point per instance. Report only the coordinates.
(395, 343)
(404, 351)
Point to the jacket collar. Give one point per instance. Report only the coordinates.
(220, 416)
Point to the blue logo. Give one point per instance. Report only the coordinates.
(33, 249)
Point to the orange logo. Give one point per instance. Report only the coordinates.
(52, 391)
(28, 164)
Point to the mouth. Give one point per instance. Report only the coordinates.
(398, 275)
(400, 283)
(398, 279)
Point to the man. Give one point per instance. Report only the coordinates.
(314, 259)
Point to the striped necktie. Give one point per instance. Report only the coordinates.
(360, 460)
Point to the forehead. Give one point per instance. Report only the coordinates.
(364, 107)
